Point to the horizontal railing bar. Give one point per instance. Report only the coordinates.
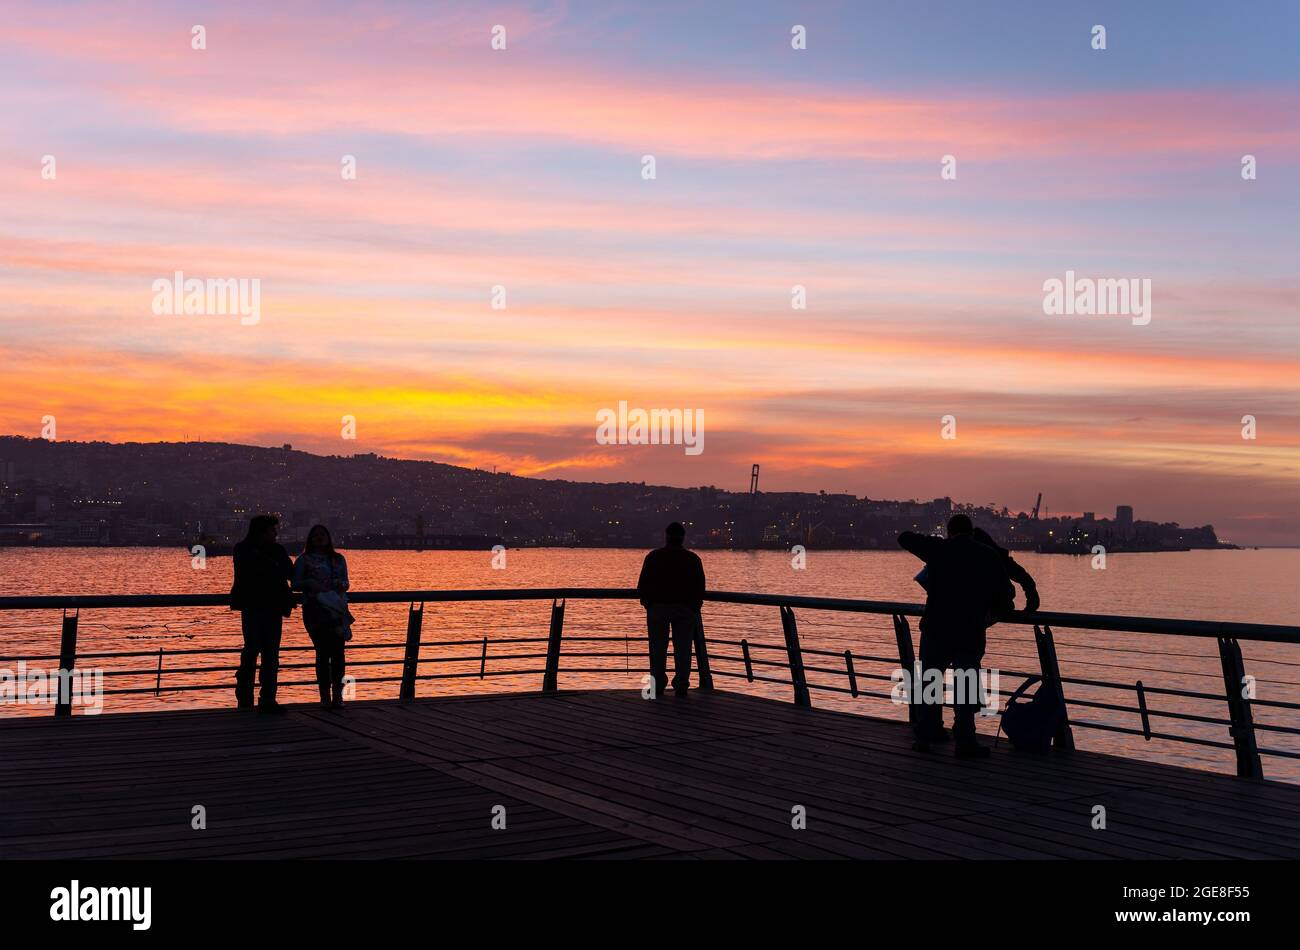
(756, 678)
(199, 687)
(202, 651)
(1173, 738)
(1273, 703)
(513, 656)
(1281, 753)
(848, 692)
(359, 679)
(120, 601)
(475, 674)
(1190, 717)
(532, 672)
(477, 641)
(1154, 735)
(839, 655)
(195, 651)
(1168, 714)
(1269, 727)
(190, 670)
(491, 656)
(1170, 691)
(1273, 633)
(1132, 687)
(778, 664)
(178, 688)
(785, 665)
(1065, 621)
(1012, 673)
(753, 644)
(570, 639)
(842, 672)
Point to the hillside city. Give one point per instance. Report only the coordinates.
(163, 493)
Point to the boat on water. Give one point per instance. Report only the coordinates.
(21, 535)
(212, 547)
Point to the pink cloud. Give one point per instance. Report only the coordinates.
(275, 74)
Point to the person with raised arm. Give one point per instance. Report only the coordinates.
(966, 586)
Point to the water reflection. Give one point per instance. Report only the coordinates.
(1253, 586)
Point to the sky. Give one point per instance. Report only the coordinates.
(486, 176)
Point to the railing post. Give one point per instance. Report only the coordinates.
(1143, 711)
(907, 661)
(702, 656)
(749, 664)
(411, 661)
(1047, 662)
(903, 635)
(795, 654)
(1242, 729)
(550, 679)
(67, 663)
(853, 677)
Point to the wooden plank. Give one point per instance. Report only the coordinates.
(594, 774)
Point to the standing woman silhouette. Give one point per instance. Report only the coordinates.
(321, 573)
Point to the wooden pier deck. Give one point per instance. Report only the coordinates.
(601, 774)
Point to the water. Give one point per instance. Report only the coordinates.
(1250, 586)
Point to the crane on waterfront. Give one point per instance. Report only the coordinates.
(753, 530)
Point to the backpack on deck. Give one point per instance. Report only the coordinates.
(1032, 725)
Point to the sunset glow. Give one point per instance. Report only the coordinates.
(523, 168)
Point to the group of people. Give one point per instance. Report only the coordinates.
(671, 589)
(968, 586)
(968, 579)
(265, 578)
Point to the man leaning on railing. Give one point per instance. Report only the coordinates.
(671, 589)
(966, 586)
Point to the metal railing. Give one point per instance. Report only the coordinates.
(789, 656)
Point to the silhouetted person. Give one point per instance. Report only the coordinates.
(966, 585)
(671, 589)
(261, 595)
(1015, 571)
(321, 573)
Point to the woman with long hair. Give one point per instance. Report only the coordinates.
(321, 573)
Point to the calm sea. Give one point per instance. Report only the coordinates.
(1254, 586)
